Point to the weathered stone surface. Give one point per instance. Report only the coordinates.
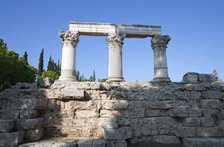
(165, 139)
(19, 104)
(184, 131)
(211, 103)
(52, 142)
(109, 123)
(156, 112)
(203, 142)
(45, 82)
(6, 125)
(210, 132)
(33, 135)
(115, 104)
(166, 104)
(212, 95)
(110, 113)
(91, 143)
(9, 114)
(11, 139)
(28, 114)
(191, 77)
(120, 133)
(86, 113)
(192, 122)
(24, 124)
(207, 121)
(116, 143)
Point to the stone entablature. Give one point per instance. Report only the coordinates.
(116, 33)
(103, 29)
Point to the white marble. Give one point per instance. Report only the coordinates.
(159, 45)
(115, 42)
(68, 66)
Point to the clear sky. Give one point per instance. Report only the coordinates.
(195, 26)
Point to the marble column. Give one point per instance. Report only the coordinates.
(159, 44)
(68, 66)
(115, 42)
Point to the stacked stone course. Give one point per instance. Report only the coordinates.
(117, 114)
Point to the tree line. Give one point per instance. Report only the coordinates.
(14, 69)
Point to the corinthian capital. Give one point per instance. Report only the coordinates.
(69, 38)
(160, 41)
(116, 38)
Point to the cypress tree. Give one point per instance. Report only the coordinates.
(41, 63)
(94, 76)
(50, 64)
(25, 58)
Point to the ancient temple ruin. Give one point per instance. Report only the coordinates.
(116, 33)
(114, 114)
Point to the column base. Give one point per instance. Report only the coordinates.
(161, 81)
(115, 79)
(69, 78)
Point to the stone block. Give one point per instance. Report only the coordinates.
(108, 123)
(38, 104)
(186, 95)
(211, 104)
(24, 124)
(209, 112)
(210, 132)
(165, 104)
(207, 121)
(155, 112)
(154, 129)
(9, 114)
(120, 133)
(11, 139)
(45, 82)
(192, 122)
(34, 134)
(191, 77)
(67, 93)
(203, 142)
(110, 113)
(98, 143)
(28, 114)
(212, 95)
(6, 125)
(183, 131)
(86, 113)
(165, 139)
(115, 104)
(80, 132)
(178, 112)
(116, 143)
(80, 105)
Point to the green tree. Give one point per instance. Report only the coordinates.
(50, 65)
(13, 68)
(25, 58)
(50, 74)
(94, 76)
(41, 63)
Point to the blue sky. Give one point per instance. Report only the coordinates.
(195, 26)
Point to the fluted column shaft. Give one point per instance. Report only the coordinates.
(159, 45)
(115, 42)
(68, 66)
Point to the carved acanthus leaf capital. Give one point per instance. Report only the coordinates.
(116, 38)
(69, 38)
(160, 41)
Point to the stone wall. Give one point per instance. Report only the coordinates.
(120, 114)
